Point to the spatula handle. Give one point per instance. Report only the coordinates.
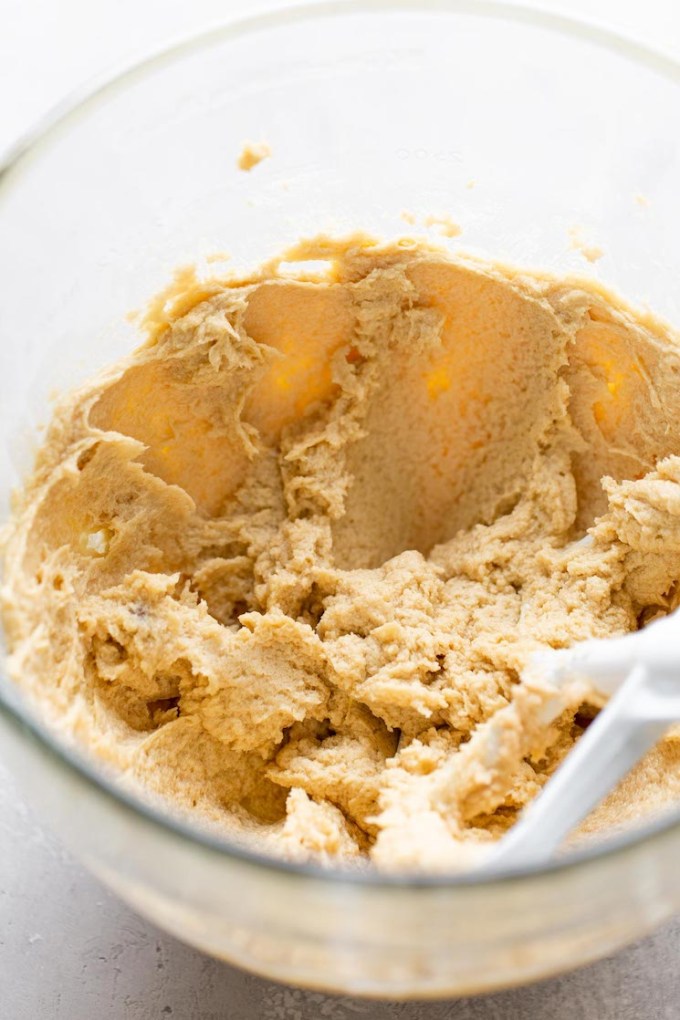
(633, 721)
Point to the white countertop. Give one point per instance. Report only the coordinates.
(69, 950)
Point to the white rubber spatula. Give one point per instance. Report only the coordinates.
(640, 673)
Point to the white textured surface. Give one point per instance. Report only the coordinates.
(68, 949)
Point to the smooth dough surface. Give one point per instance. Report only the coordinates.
(284, 563)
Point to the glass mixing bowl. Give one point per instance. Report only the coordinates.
(519, 125)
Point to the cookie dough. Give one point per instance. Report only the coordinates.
(251, 154)
(280, 565)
